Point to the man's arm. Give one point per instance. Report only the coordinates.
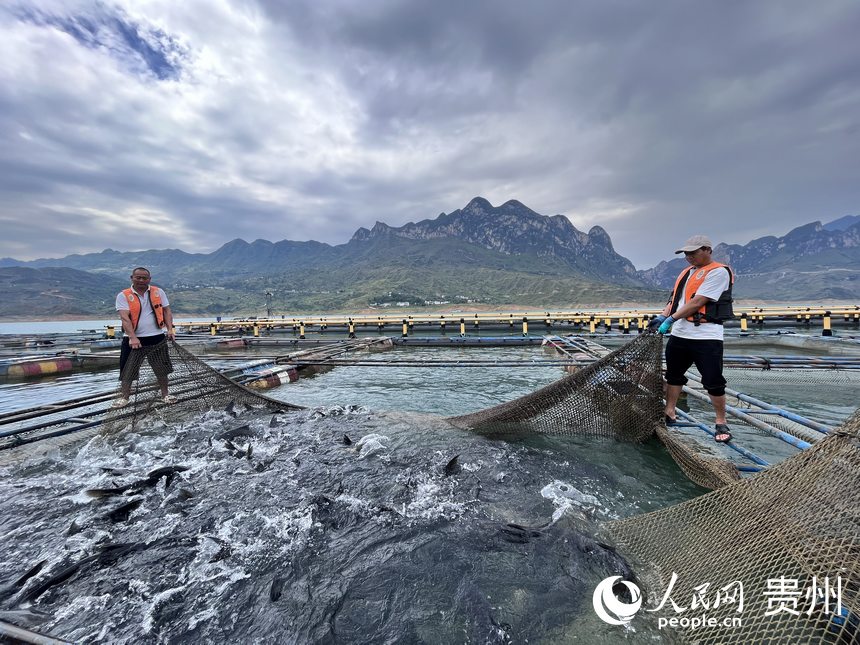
(168, 322)
(128, 328)
(689, 308)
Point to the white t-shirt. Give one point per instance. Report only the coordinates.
(146, 326)
(715, 283)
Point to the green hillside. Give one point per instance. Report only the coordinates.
(26, 292)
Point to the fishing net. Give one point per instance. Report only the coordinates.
(190, 386)
(790, 536)
(617, 397)
(708, 471)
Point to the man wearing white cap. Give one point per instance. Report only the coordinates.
(701, 301)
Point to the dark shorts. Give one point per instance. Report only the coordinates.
(706, 355)
(153, 349)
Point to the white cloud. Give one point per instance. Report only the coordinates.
(305, 120)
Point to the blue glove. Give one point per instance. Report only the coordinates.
(655, 321)
(666, 325)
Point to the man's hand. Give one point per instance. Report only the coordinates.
(666, 325)
(655, 321)
(171, 334)
(134, 342)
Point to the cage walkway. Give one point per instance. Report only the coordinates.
(29, 425)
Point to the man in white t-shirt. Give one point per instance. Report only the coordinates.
(700, 302)
(145, 313)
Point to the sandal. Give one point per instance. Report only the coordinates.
(722, 430)
(669, 421)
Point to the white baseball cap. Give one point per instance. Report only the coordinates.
(696, 242)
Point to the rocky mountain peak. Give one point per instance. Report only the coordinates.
(803, 253)
(380, 228)
(361, 235)
(598, 235)
(515, 229)
(478, 205)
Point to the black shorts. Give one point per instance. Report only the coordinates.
(707, 355)
(153, 349)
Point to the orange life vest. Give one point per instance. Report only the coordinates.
(134, 305)
(690, 280)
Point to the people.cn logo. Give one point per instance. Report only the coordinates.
(609, 608)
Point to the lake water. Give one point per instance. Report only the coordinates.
(313, 539)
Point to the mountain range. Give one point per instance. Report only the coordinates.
(478, 254)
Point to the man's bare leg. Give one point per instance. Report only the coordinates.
(719, 402)
(673, 393)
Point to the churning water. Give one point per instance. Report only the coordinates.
(328, 525)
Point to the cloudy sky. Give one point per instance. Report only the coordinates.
(135, 124)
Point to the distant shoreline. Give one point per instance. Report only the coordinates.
(436, 309)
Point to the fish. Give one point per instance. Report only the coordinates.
(263, 464)
(122, 512)
(519, 534)
(169, 472)
(452, 466)
(107, 554)
(152, 479)
(115, 471)
(277, 588)
(58, 578)
(231, 409)
(241, 431)
(247, 451)
(32, 571)
(19, 583)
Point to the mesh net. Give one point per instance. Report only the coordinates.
(707, 471)
(169, 379)
(790, 535)
(616, 397)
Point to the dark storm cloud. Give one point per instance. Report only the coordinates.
(736, 118)
(309, 119)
